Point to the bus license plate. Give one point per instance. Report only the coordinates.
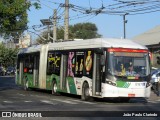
(131, 95)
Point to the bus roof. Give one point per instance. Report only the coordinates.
(88, 43)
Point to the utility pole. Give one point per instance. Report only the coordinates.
(55, 25)
(66, 20)
(124, 28)
(48, 32)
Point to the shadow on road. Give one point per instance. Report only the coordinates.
(7, 82)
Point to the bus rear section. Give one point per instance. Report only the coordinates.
(127, 74)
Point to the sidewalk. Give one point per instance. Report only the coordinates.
(154, 97)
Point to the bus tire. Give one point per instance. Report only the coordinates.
(85, 92)
(54, 88)
(26, 84)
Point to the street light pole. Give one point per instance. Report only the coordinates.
(48, 32)
(47, 22)
(124, 24)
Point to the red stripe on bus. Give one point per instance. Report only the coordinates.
(126, 50)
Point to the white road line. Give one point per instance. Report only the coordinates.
(27, 101)
(153, 101)
(8, 101)
(65, 101)
(81, 101)
(48, 102)
(20, 94)
(35, 96)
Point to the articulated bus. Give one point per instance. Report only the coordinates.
(100, 67)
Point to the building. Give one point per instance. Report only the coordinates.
(10, 44)
(7, 43)
(24, 41)
(151, 39)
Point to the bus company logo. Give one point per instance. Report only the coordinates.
(21, 114)
(6, 114)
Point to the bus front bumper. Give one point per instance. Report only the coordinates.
(113, 91)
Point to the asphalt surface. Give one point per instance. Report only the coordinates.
(14, 98)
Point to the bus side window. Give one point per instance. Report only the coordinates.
(28, 64)
(79, 64)
(18, 64)
(71, 64)
(88, 63)
(50, 63)
(53, 64)
(57, 63)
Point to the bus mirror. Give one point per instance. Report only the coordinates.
(102, 60)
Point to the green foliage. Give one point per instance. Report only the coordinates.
(77, 31)
(7, 56)
(13, 15)
(84, 31)
(36, 5)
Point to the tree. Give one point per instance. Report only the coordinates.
(84, 31)
(7, 56)
(77, 31)
(13, 15)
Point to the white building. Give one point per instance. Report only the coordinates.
(150, 39)
(24, 41)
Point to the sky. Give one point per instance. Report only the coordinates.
(109, 26)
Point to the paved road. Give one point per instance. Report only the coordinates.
(14, 98)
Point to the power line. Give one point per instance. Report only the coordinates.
(46, 5)
(117, 7)
(90, 18)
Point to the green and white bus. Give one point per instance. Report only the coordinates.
(98, 67)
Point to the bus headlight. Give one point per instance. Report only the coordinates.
(111, 83)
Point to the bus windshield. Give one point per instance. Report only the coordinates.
(129, 64)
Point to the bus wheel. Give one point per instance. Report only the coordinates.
(26, 85)
(85, 92)
(54, 88)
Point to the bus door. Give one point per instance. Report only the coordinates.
(98, 73)
(36, 70)
(63, 72)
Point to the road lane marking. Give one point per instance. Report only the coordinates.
(65, 101)
(81, 101)
(27, 101)
(8, 101)
(20, 94)
(36, 95)
(48, 102)
(153, 101)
